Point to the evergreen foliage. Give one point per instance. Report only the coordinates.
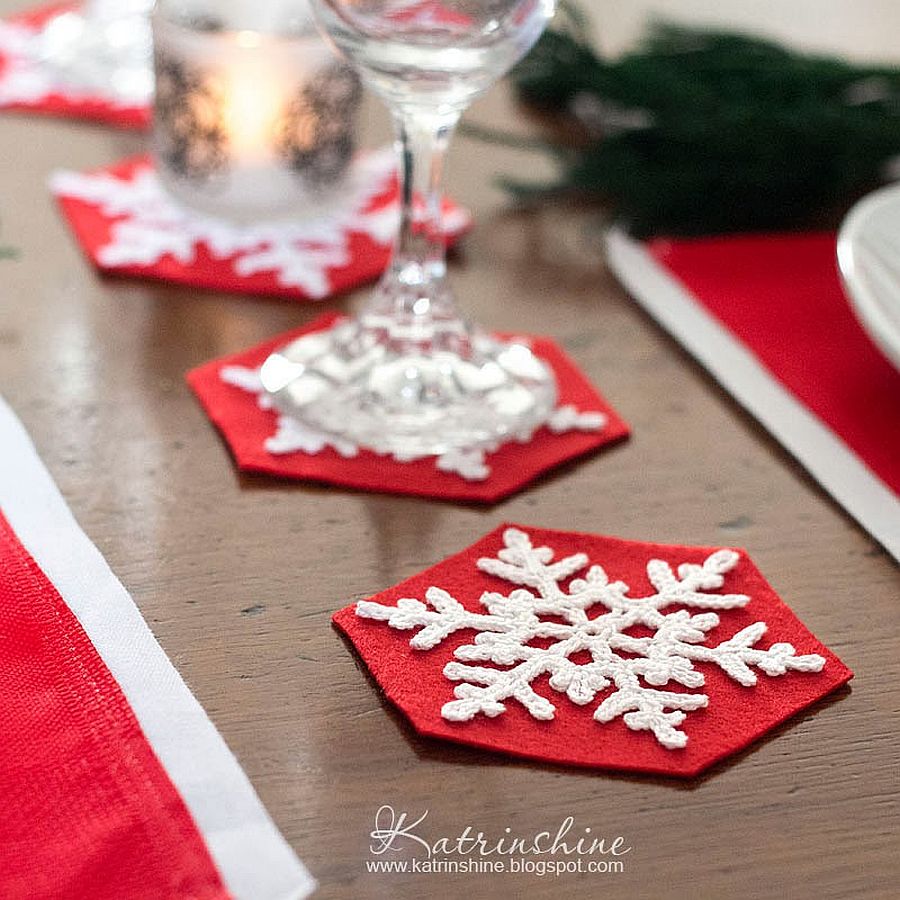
(700, 132)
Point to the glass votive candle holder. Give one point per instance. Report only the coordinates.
(254, 118)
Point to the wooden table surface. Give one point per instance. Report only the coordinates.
(238, 576)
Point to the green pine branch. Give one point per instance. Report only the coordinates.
(705, 132)
(8, 252)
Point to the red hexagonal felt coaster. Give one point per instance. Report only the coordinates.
(262, 441)
(592, 651)
(28, 85)
(128, 225)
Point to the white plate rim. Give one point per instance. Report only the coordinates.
(865, 302)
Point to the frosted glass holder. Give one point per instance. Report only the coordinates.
(254, 119)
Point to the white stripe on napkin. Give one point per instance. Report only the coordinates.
(825, 456)
(253, 858)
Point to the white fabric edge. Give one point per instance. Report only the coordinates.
(253, 858)
(822, 453)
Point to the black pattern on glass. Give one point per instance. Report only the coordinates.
(189, 134)
(316, 135)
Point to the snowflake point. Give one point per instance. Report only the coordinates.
(513, 537)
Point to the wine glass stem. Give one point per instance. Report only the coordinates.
(413, 291)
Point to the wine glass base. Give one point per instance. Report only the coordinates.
(395, 398)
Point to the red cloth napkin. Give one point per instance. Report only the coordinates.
(227, 390)
(783, 298)
(461, 650)
(127, 225)
(25, 87)
(767, 315)
(115, 784)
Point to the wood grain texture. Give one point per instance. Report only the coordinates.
(238, 576)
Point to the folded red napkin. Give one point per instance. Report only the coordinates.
(768, 317)
(28, 86)
(115, 784)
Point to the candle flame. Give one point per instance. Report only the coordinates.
(254, 98)
(249, 40)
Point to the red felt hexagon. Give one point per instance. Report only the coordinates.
(127, 225)
(59, 101)
(246, 427)
(736, 715)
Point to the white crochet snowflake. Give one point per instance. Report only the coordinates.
(299, 252)
(470, 463)
(20, 82)
(26, 78)
(634, 668)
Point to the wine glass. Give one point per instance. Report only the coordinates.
(409, 376)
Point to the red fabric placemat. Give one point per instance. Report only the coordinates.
(248, 429)
(782, 296)
(24, 87)
(577, 696)
(115, 783)
(81, 786)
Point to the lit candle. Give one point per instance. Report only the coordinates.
(250, 123)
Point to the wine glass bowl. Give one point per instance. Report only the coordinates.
(409, 376)
(432, 52)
